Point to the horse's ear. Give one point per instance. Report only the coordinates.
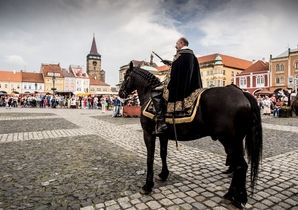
(131, 65)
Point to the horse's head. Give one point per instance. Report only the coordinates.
(127, 85)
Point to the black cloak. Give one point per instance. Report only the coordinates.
(185, 75)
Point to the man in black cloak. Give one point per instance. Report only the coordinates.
(185, 77)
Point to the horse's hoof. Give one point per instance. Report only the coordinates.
(145, 192)
(158, 178)
(237, 204)
(162, 178)
(228, 171)
(228, 196)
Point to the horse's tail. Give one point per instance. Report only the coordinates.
(254, 140)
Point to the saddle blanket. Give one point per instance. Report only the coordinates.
(183, 111)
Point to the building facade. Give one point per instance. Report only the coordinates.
(94, 69)
(284, 70)
(100, 88)
(69, 80)
(218, 70)
(255, 78)
(32, 82)
(10, 81)
(53, 77)
(81, 78)
(150, 66)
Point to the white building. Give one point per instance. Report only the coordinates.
(81, 77)
(32, 82)
(69, 80)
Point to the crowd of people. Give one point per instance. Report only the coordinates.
(103, 103)
(274, 103)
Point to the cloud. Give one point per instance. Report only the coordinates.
(15, 60)
(62, 32)
(251, 29)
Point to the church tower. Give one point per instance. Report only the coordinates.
(94, 63)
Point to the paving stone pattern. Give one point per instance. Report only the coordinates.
(196, 181)
(67, 172)
(26, 125)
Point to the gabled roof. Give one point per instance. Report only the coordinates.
(67, 73)
(52, 68)
(32, 77)
(78, 71)
(228, 61)
(97, 82)
(286, 53)
(10, 76)
(137, 63)
(257, 67)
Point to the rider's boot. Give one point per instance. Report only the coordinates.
(159, 105)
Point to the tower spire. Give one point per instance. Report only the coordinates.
(93, 49)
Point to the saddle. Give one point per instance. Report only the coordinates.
(182, 111)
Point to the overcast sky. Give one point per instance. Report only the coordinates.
(60, 31)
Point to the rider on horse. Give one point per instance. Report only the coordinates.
(185, 77)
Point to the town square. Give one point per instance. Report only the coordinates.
(148, 104)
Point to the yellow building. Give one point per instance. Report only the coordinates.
(219, 70)
(284, 70)
(53, 77)
(98, 87)
(10, 81)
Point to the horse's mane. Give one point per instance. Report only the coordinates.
(147, 77)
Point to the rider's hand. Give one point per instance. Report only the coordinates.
(167, 62)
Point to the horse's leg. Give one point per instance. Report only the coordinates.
(237, 191)
(163, 176)
(150, 145)
(224, 142)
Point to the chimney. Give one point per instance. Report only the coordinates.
(270, 56)
(263, 59)
(289, 51)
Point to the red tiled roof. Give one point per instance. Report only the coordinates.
(53, 68)
(97, 82)
(10, 76)
(163, 68)
(259, 66)
(227, 60)
(32, 77)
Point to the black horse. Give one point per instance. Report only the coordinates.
(226, 114)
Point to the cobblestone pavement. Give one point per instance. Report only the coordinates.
(91, 161)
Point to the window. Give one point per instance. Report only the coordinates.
(280, 80)
(260, 81)
(296, 65)
(29, 87)
(277, 67)
(243, 82)
(282, 68)
(5, 85)
(224, 72)
(223, 83)
(0, 85)
(25, 87)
